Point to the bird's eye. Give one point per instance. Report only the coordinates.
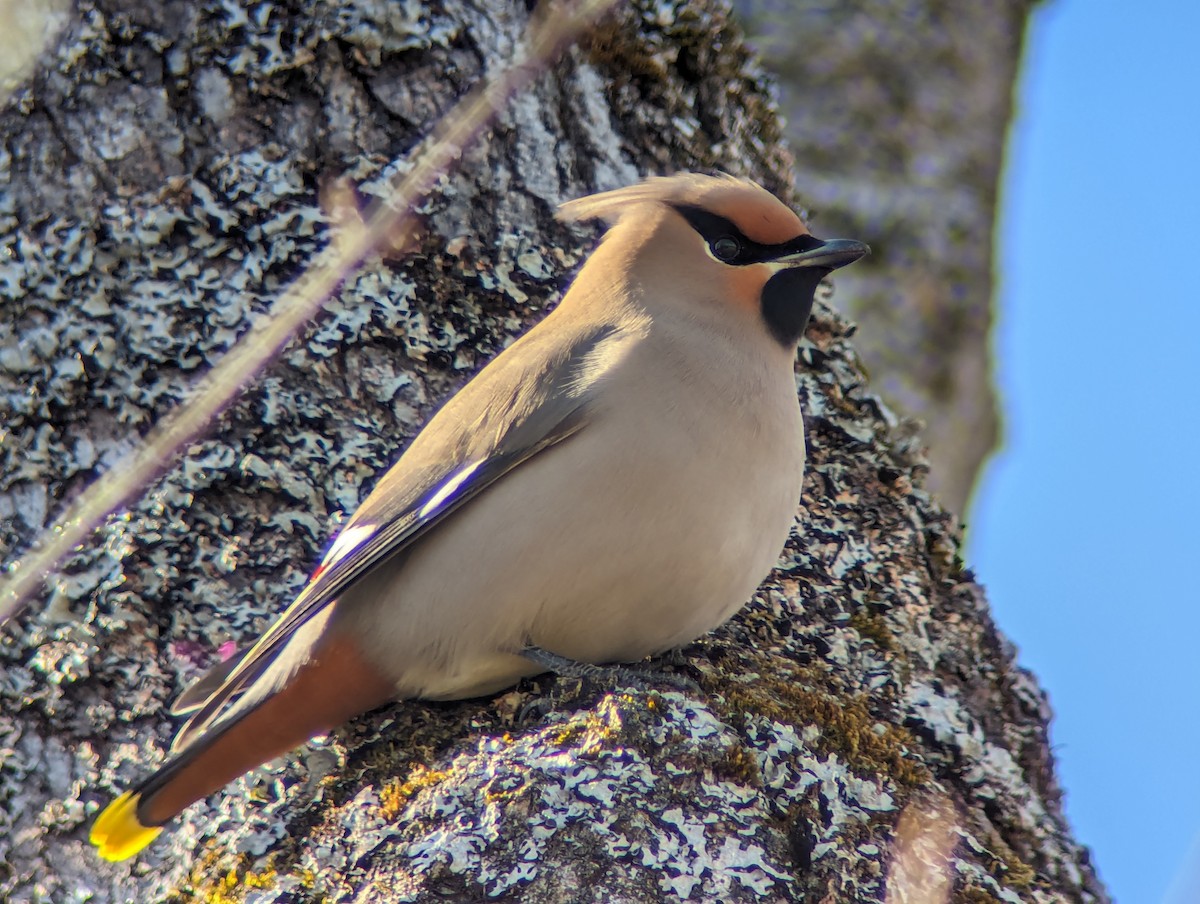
(726, 248)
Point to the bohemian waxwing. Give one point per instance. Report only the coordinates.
(613, 485)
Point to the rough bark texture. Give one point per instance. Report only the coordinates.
(159, 176)
(897, 114)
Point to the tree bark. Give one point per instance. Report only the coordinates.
(160, 172)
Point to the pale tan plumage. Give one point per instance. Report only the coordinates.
(614, 484)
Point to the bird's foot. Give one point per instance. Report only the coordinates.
(641, 677)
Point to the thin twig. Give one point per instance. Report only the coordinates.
(557, 26)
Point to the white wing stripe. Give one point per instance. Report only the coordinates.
(347, 541)
(448, 489)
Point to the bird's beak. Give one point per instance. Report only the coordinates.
(828, 255)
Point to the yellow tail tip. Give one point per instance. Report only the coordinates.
(118, 833)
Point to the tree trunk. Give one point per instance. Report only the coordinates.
(160, 170)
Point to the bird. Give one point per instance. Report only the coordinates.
(613, 485)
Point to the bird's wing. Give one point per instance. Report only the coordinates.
(483, 433)
(196, 693)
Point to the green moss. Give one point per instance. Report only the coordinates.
(875, 629)
(611, 47)
(973, 894)
(1007, 867)
(395, 793)
(848, 727)
(739, 764)
(1018, 873)
(228, 887)
(694, 66)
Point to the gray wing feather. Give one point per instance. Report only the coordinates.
(523, 419)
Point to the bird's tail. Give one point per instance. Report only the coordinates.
(137, 816)
(118, 833)
(333, 687)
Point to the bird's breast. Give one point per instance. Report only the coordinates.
(685, 503)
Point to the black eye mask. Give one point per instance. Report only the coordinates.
(729, 245)
(802, 262)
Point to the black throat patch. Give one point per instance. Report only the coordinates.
(787, 301)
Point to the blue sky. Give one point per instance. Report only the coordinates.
(1086, 527)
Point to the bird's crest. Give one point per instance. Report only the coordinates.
(756, 211)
